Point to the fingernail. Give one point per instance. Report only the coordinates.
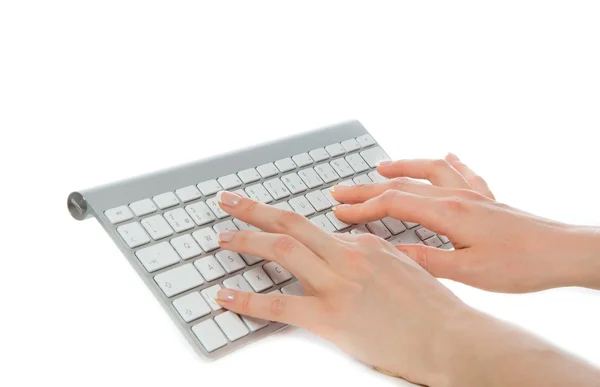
(384, 163)
(228, 198)
(341, 206)
(225, 236)
(339, 188)
(452, 156)
(227, 295)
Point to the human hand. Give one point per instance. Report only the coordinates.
(497, 247)
(362, 294)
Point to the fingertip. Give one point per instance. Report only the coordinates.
(452, 157)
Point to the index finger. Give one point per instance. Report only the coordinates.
(276, 220)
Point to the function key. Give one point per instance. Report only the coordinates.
(231, 324)
(187, 194)
(285, 165)
(365, 140)
(319, 154)
(335, 149)
(267, 170)
(209, 335)
(209, 187)
(166, 200)
(143, 207)
(350, 145)
(249, 175)
(302, 160)
(118, 214)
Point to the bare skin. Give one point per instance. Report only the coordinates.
(373, 301)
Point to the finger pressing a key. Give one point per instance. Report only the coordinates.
(362, 192)
(276, 220)
(301, 311)
(283, 249)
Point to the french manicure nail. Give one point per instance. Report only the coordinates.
(227, 295)
(341, 206)
(225, 236)
(384, 163)
(228, 198)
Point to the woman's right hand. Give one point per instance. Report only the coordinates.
(497, 247)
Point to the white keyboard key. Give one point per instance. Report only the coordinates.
(319, 154)
(327, 194)
(342, 167)
(335, 149)
(209, 187)
(118, 214)
(157, 256)
(229, 181)
(357, 163)
(285, 165)
(258, 279)
(424, 233)
(326, 172)
(179, 220)
(318, 200)
(224, 226)
(231, 324)
(191, 307)
(178, 280)
(379, 229)
(241, 192)
(362, 179)
(166, 200)
(267, 170)
(213, 204)
(360, 230)
(187, 194)
(241, 225)
(276, 188)
(374, 155)
(200, 213)
(310, 178)
(394, 225)
(323, 223)
(249, 175)
(237, 282)
(210, 296)
(230, 260)
(143, 207)
(294, 183)
(284, 206)
(350, 145)
(186, 246)
(254, 324)
(338, 224)
(209, 335)
(277, 273)
(209, 268)
(347, 182)
(276, 291)
(410, 225)
(259, 193)
(157, 227)
(433, 242)
(365, 140)
(444, 239)
(406, 238)
(376, 177)
(301, 206)
(302, 160)
(250, 259)
(294, 289)
(207, 239)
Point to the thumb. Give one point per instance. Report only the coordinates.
(439, 263)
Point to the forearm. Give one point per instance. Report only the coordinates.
(478, 350)
(583, 256)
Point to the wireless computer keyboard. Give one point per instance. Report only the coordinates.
(165, 223)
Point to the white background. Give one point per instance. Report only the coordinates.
(91, 92)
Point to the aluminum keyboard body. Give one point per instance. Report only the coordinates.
(165, 224)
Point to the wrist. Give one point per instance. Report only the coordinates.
(582, 247)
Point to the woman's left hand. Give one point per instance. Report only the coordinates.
(361, 293)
